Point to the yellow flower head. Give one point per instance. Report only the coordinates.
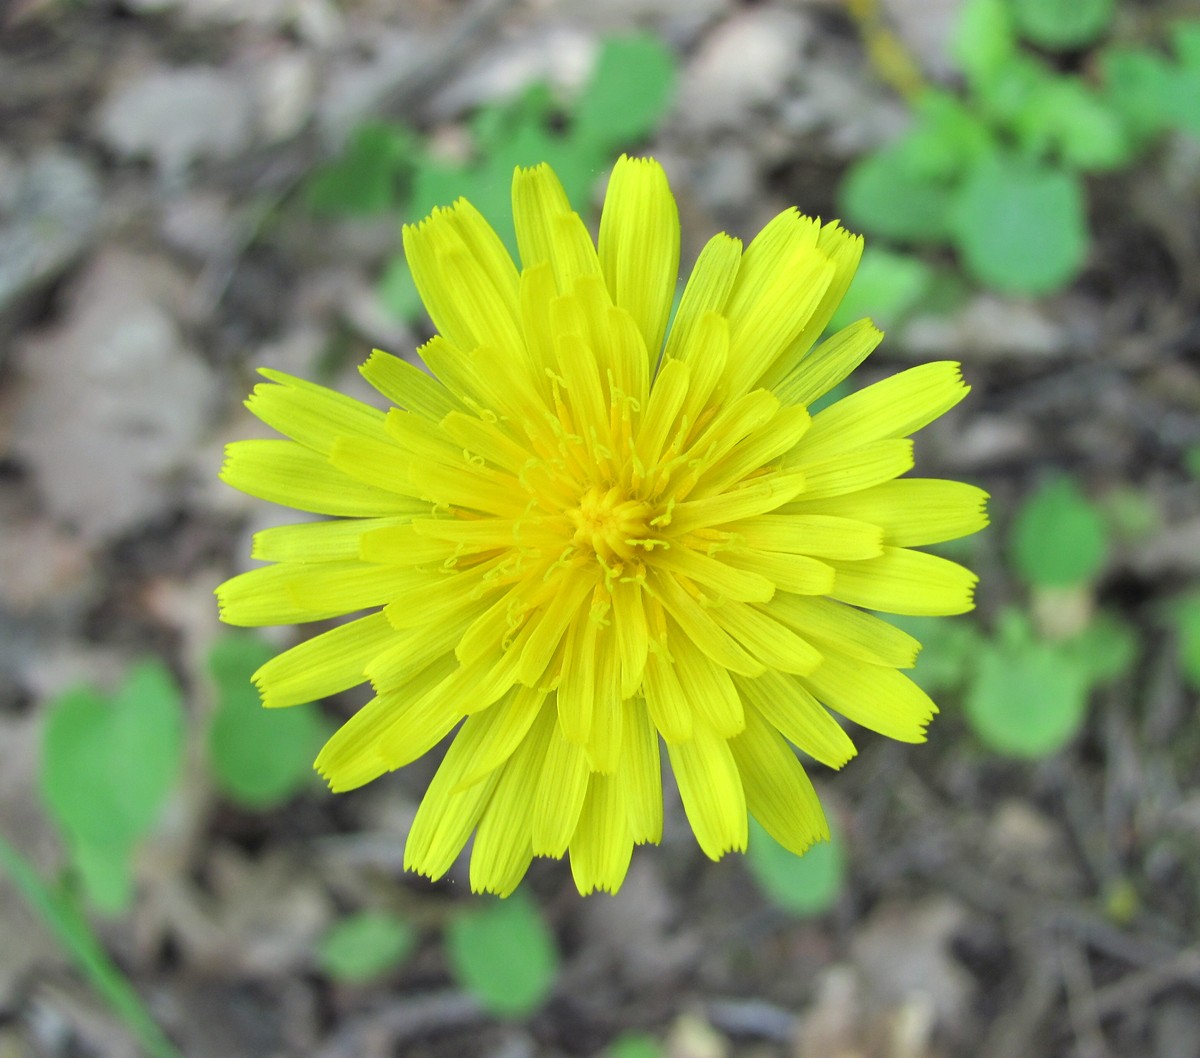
(581, 535)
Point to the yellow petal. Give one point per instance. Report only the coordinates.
(562, 785)
(639, 245)
(878, 698)
(819, 535)
(547, 228)
(641, 773)
(316, 541)
(799, 717)
(707, 291)
(847, 630)
(409, 387)
(906, 582)
(828, 364)
(601, 846)
(712, 792)
(860, 469)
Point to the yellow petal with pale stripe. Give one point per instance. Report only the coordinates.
(451, 809)
(289, 474)
(799, 717)
(793, 573)
(639, 245)
(712, 792)
(709, 689)
(873, 696)
(910, 511)
(602, 845)
(547, 228)
(779, 794)
(325, 664)
(860, 469)
(819, 535)
(504, 840)
(906, 582)
(766, 639)
(707, 291)
(847, 630)
(641, 772)
(311, 414)
(317, 541)
(562, 785)
(896, 407)
(828, 364)
(407, 386)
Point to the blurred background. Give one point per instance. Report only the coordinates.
(191, 189)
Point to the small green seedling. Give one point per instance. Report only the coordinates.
(387, 169)
(634, 1045)
(1186, 613)
(502, 953)
(366, 946)
(108, 765)
(258, 758)
(801, 885)
(1059, 539)
(998, 171)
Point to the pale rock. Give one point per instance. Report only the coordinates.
(112, 399)
(199, 224)
(987, 327)
(926, 29)
(49, 207)
(177, 116)
(558, 54)
(746, 62)
(359, 88)
(285, 87)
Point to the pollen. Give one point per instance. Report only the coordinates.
(610, 525)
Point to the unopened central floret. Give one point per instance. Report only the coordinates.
(611, 525)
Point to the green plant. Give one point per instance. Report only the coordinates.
(365, 946)
(997, 171)
(388, 169)
(258, 758)
(502, 953)
(62, 917)
(634, 1045)
(802, 885)
(1058, 538)
(108, 764)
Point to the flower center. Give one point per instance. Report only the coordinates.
(611, 525)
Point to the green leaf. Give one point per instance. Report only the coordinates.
(259, 757)
(364, 180)
(949, 646)
(366, 946)
(108, 765)
(881, 194)
(1132, 513)
(1186, 613)
(1064, 117)
(629, 91)
(1191, 460)
(946, 139)
(1020, 227)
(70, 929)
(984, 40)
(1139, 86)
(1011, 89)
(1062, 24)
(504, 955)
(1026, 699)
(803, 885)
(106, 874)
(1105, 650)
(1184, 98)
(886, 287)
(634, 1045)
(398, 292)
(1058, 538)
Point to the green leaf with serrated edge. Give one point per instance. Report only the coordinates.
(1185, 613)
(1062, 24)
(365, 179)
(365, 946)
(503, 954)
(1020, 226)
(1058, 537)
(883, 196)
(259, 757)
(984, 40)
(886, 287)
(629, 91)
(802, 885)
(1025, 699)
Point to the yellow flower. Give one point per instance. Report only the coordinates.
(585, 534)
